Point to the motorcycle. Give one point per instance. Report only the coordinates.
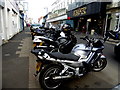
(112, 34)
(64, 46)
(39, 32)
(82, 59)
(57, 42)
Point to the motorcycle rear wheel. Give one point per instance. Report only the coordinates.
(46, 77)
(99, 65)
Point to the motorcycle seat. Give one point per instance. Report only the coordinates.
(61, 56)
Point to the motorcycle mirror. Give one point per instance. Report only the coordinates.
(62, 34)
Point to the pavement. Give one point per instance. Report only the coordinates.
(15, 61)
(18, 67)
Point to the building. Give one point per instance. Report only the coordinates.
(21, 15)
(83, 15)
(88, 16)
(23, 8)
(58, 14)
(11, 19)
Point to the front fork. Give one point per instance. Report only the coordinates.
(101, 56)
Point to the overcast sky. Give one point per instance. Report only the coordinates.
(36, 7)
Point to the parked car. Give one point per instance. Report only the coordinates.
(117, 49)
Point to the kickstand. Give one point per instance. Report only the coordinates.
(35, 75)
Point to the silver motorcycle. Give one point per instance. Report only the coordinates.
(82, 59)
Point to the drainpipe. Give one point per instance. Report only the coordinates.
(119, 22)
(5, 22)
(106, 25)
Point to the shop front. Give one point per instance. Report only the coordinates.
(89, 17)
(113, 16)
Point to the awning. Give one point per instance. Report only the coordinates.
(63, 17)
(88, 9)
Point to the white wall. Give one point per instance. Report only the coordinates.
(9, 20)
(2, 22)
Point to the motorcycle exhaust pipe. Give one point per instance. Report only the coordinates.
(61, 77)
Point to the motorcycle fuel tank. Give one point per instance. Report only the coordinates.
(81, 50)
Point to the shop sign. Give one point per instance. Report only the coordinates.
(57, 13)
(80, 11)
(53, 15)
(88, 9)
(62, 12)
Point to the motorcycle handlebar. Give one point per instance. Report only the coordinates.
(82, 38)
(89, 40)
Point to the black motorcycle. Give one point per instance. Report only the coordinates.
(55, 42)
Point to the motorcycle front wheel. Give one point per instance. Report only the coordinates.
(46, 77)
(99, 65)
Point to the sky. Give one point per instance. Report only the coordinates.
(36, 8)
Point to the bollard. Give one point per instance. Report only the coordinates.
(92, 32)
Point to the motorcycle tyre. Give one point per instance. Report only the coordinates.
(43, 74)
(104, 63)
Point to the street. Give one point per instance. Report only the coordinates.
(18, 66)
